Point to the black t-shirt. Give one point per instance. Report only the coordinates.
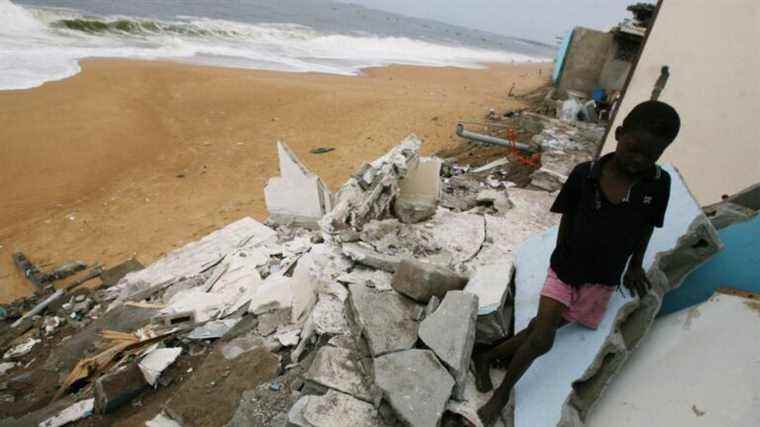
(602, 235)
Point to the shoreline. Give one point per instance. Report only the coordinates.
(135, 158)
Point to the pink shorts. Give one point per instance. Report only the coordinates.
(585, 304)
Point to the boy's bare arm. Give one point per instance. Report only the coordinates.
(635, 278)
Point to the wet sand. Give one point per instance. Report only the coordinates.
(136, 158)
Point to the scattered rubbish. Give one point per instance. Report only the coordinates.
(321, 150)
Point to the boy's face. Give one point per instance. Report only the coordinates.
(637, 151)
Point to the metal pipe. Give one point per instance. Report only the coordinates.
(492, 140)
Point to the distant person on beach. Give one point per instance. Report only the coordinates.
(609, 209)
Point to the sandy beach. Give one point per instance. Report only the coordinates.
(133, 158)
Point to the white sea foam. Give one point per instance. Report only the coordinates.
(41, 45)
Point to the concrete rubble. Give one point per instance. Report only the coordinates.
(450, 332)
(421, 281)
(416, 385)
(75, 412)
(297, 196)
(359, 308)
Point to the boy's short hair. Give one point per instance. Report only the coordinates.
(655, 117)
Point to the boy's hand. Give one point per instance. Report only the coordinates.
(635, 279)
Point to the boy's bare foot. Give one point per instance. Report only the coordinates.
(482, 373)
(489, 412)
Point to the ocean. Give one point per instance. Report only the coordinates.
(44, 40)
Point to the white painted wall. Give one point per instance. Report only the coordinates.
(711, 48)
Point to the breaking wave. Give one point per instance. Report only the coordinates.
(39, 45)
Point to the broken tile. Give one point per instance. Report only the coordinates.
(450, 332)
(415, 384)
(339, 369)
(491, 283)
(155, 362)
(421, 281)
(391, 329)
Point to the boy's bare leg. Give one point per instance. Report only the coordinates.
(503, 351)
(538, 342)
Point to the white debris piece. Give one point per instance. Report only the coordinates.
(6, 366)
(157, 361)
(297, 196)
(77, 411)
(288, 336)
(273, 294)
(161, 420)
(491, 284)
(494, 164)
(22, 349)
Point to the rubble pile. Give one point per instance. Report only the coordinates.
(362, 306)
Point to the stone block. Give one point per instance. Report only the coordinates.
(415, 384)
(450, 333)
(339, 369)
(388, 320)
(421, 281)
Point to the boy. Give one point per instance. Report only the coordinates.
(609, 209)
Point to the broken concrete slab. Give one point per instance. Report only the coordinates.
(450, 333)
(491, 284)
(155, 362)
(75, 412)
(556, 167)
(391, 329)
(118, 388)
(340, 369)
(378, 279)
(419, 191)
(193, 258)
(269, 322)
(219, 384)
(679, 377)
(725, 214)
(288, 336)
(161, 420)
(368, 194)
(273, 294)
(297, 196)
(415, 384)
(582, 362)
(447, 228)
(421, 281)
(334, 408)
(371, 258)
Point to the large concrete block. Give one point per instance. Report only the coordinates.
(415, 384)
(561, 387)
(388, 320)
(331, 409)
(491, 284)
(297, 196)
(421, 281)
(339, 369)
(450, 333)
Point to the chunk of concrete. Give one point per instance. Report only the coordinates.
(339, 369)
(335, 408)
(491, 284)
(419, 192)
(288, 336)
(371, 258)
(269, 322)
(563, 385)
(155, 362)
(370, 192)
(450, 333)
(118, 388)
(556, 167)
(297, 196)
(724, 214)
(388, 320)
(421, 281)
(161, 420)
(273, 294)
(416, 385)
(75, 412)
